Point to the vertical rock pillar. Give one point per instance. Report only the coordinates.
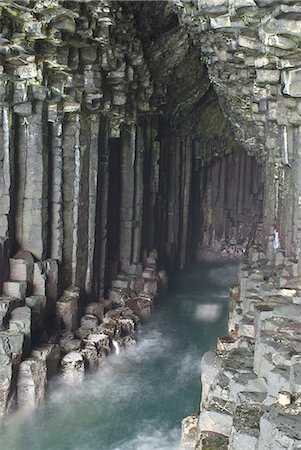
(186, 165)
(128, 154)
(102, 208)
(56, 234)
(297, 179)
(71, 177)
(92, 198)
(173, 207)
(138, 197)
(33, 191)
(5, 168)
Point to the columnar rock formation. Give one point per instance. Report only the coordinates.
(251, 383)
(102, 135)
(129, 126)
(251, 49)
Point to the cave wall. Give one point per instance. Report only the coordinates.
(72, 80)
(252, 51)
(231, 205)
(102, 136)
(170, 100)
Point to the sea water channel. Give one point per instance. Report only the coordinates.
(139, 401)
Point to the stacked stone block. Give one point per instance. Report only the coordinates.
(250, 387)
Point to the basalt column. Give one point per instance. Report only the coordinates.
(71, 175)
(131, 195)
(101, 174)
(32, 183)
(138, 197)
(113, 211)
(128, 144)
(151, 175)
(230, 194)
(6, 166)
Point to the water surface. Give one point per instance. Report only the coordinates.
(138, 403)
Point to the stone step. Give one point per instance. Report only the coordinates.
(217, 418)
(89, 321)
(15, 289)
(96, 309)
(20, 321)
(21, 270)
(251, 398)
(246, 328)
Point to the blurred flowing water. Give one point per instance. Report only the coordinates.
(139, 401)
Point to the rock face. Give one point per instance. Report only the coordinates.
(250, 384)
(109, 149)
(31, 353)
(132, 126)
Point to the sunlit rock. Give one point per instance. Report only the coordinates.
(50, 353)
(21, 269)
(91, 356)
(191, 434)
(7, 387)
(31, 384)
(100, 340)
(21, 322)
(15, 289)
(73, 367)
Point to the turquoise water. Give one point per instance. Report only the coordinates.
(138, 403)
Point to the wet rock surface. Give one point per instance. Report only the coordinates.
(250, 384)
(78, 343)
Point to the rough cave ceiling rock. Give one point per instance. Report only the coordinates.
(135, 57)
(124, 60)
